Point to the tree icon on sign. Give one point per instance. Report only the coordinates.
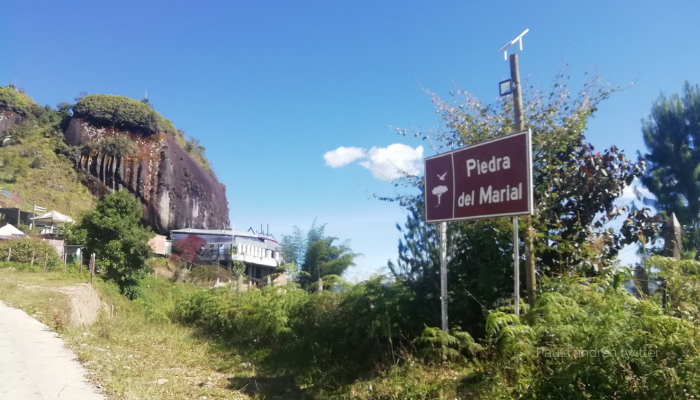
(438, 191)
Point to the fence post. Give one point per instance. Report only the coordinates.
(672, 248)
(46, 259)
(92, 267)
(9, 254)
(32, 262)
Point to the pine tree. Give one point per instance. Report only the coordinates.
(671, 134)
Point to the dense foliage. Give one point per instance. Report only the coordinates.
(480, 272)
(315, 336)
(30, 251)
(671, 133)
(122, 112)
(585, 338)
(317, 254)
(188, 249)
(113, 231)
(575, 188)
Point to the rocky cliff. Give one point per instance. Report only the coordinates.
(175, 191)
(7, 119)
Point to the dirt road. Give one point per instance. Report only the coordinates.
(35, 365)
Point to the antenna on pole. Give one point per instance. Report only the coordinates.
(146, 95)
(518, 39)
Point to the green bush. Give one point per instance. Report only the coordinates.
(122, 112)
(36, 163)
(584, 338)
(436, 346)
(316, 336)
(132, 292)
(26, 249)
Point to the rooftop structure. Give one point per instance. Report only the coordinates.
(260, 252)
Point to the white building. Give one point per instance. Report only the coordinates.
(259, 252)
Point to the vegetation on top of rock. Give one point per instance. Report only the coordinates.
(125, 113)
(15, 100)
(122, 112)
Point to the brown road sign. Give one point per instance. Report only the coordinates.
(485, 180)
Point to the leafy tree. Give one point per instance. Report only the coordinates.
(147, 102)
(238, 270)
(575, 188)
(294, 246)
(64, 108)
(114, 233)
(323, 257)
(317, 254)
(188, 249)
(671, 133)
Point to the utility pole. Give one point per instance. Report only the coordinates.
(529, 233)
(443, 274)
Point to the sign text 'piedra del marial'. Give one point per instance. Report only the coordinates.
(484, 180)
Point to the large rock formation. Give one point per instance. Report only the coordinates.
(9, 118)
(174, 190)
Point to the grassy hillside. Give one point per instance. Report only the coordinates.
(43, 177)
(35, 162)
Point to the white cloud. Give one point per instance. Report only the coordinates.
(631, 192)
(343, 156)
(628, 194)
(394, 161)
(385, 163)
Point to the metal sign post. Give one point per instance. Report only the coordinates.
(443, 275)
(516, 268)
(485, 180)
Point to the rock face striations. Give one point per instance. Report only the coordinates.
(175, 191)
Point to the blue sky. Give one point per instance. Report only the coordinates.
(270, 87)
